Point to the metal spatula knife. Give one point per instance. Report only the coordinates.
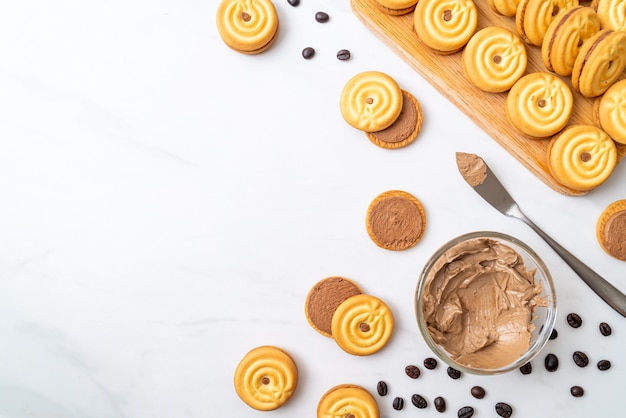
(478, 175)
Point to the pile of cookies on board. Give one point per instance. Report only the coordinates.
(583, 50)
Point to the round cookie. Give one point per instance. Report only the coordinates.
(396, 7)
(612, 13)
(504, 7)
(533, 17)
(494, 59)
(610, 111)
(347, 401)
(611, 229)
(362, 325)
(324, 298)
(539, 104)
(582, 157)
(406, 127)
(565, 36)
(395, 220)
(600, 63)
(266, 378)
(371, 101)
(247, 26)
(445, 26)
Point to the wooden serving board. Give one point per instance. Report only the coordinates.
(445, 73)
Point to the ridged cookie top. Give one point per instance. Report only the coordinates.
(612, 111)
(371, 101)
(247, 25)
(612, 14)
(347, 401)
(533, 17)
(445, 25)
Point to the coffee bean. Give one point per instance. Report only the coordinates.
(398, 403)
(465, 412)
(478, 392)
(308, 53)
(412, 371)
(294, 3)
(430, 363)
(381, 388)
(343, 55)
(440, 404)
(322, 17)
(504, 409)
(604, 365)
(454, 373)
(419, 401)
(574, 320)
(605, 329)
(554, 334)
(526, 368)
(580, 359)
(577, 391)
(551, 362)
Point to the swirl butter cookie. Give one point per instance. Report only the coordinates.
(600, 63)
(445, 26)
(247, 26)
(347, 401)
(362, 325)
(533, 17)
(612, 13)
(405, 128)
(611, 229)
(539, 104)
(565, 36)
(610, 111)
(504, 7)
(371, 101)
(396, 7)
(323, 299)
(494, 59)
(582, 157)
(266, 378)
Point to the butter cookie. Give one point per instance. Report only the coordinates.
(533, 17)
(610, 111)
(324, 298)
(406, 127)
(247, 26)
(611, 229)
(347, 401)
(445, 26)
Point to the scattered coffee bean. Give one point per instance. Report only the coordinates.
(605, 329)
(322, 17)
(478, 392)
(430, 363)
(419, 401)
(398, 403)
(294, 3)
(308, 53)
(343, 55)
(554, 334)
(551, 362)
(465, 412)
(577, 391)
(504, 409)
(580, 359)
(574, 320)
(440, 404)
(454, 373)
(526, 368)
(412, 371)
(604, 365)
(381, 388)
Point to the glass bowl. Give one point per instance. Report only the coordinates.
(477, 306)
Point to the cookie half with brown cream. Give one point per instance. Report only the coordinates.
(406, 127)
(611, 229)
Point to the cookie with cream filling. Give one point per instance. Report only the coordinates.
(611, 229)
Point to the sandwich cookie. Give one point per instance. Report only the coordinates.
(347, 401)
(582, 157)
(266, 378)
(611, 229)
(494, 59)
(565, 36)
(445, 26)
(612, 13)
(610, 111)
(533, 17)
(406, 127)
(247, 26)
(504, 7)
(600, 63)
(371, 101)
(396, 7)
(539, 104)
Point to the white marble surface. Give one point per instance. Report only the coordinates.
(167, 203)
